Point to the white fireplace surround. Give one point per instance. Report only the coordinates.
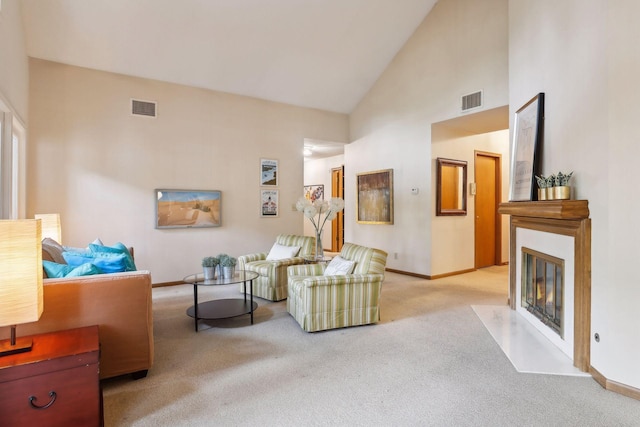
(559, 246)
(561, 228)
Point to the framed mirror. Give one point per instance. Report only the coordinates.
(451, 187)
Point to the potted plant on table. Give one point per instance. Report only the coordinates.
(209, 267)
(227, 265)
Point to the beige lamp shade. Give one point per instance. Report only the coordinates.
(21, 299)
(51, 226)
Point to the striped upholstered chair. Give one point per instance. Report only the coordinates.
(272, 282)
(320, 302)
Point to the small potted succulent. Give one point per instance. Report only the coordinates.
(561, 188)
(551, 179)
(227, 265)
(543, 185)
(209, 267)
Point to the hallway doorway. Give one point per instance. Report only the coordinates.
(337, 225)
(488, 222)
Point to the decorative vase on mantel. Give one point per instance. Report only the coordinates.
(319, 248)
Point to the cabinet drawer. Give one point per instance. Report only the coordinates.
(76, 400)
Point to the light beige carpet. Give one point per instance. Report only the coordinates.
(429, 362)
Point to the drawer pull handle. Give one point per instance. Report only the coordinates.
(52, 395)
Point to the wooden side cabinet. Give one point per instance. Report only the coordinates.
(55, 384)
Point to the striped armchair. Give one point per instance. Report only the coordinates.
(272, 282)
(319, 302)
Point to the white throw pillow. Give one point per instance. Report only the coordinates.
(339, 266)
(279, 251)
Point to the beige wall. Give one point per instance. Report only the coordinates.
(584, 56)
(98, 166)
(14, 80)
(461, 47)
(618, 292)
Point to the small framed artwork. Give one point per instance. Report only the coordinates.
(268, 172)
(314, 192)
(525, 150)
(375, 197)
(269, 203)
(188, 208)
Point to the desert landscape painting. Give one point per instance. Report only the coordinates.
(188, 208)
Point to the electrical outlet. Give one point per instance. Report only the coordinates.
(415, 190)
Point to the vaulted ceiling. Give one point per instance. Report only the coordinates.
(322, 54)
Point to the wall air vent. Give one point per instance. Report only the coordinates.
(143, 108)
(471, 101)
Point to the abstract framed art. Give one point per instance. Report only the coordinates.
(525, 149)
(314, 192)
(188, 208)
(375, 197)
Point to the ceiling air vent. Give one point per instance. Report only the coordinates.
(143, 108)
(472, 101)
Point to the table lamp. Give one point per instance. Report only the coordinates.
(21, 295)
(51, 226)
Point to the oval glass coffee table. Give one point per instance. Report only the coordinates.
(222, 308)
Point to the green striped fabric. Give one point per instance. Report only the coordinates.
(272, 282)
(319, 302)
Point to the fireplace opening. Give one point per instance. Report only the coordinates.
(542, 288)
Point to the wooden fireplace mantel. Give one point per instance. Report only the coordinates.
(569, 218)
(554, 209)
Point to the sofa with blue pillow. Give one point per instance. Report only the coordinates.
(98, 285)
(97, 258)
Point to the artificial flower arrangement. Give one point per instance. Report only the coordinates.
(319, 212)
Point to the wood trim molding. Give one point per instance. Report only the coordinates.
(163, 284)
(614, 386)
(557, 209)
(407, 273)
(452, 273)
(569, 218)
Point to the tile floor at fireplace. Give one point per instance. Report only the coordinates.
(528, 350)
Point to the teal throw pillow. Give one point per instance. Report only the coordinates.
(118, 248)
(87, 269)
(56, 270)
(53, 269)
(106, 262)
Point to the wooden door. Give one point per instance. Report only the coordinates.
(487, 198)
(337, 226)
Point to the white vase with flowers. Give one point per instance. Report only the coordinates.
(319, 212)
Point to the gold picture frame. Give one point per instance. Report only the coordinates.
(375, 197)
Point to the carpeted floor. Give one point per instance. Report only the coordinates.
(429, 362)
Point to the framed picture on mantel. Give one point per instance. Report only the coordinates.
(526, 149)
